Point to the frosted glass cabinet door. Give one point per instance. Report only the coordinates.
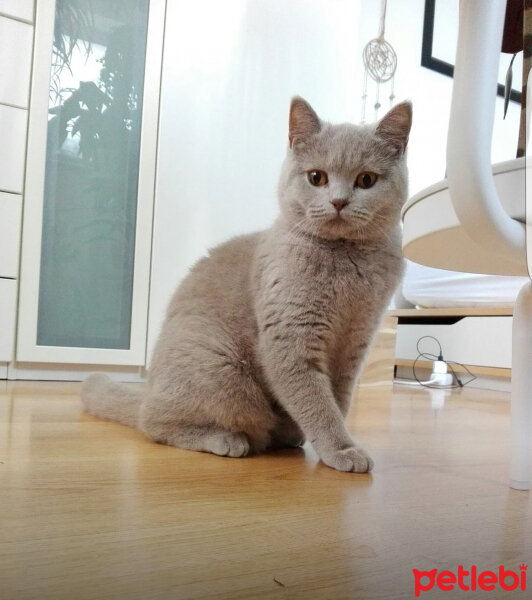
(90, 180)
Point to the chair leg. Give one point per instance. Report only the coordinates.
(521, 401)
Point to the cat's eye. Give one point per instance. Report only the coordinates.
(365, 180)
(317, 177)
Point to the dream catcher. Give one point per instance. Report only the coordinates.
(380, 63)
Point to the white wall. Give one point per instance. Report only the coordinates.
(429, 91)
(229, 70)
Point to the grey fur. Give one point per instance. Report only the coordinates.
(264, 339)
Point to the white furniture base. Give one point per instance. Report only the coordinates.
(521, 404)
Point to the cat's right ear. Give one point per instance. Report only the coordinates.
(303, 121)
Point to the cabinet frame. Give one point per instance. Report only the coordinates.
(27, 349)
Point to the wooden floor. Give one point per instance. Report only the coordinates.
(93, 510)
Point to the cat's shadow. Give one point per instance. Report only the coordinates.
(307, 460)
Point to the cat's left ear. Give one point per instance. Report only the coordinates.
(394, 127)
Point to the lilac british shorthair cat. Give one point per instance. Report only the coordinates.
(264, 338)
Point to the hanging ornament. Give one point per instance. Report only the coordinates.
(380, 63)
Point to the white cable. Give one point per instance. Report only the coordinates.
(416, 383)
(439, 376)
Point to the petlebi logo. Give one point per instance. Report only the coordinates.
(470, 580)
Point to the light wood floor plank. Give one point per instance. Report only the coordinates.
(91, 510)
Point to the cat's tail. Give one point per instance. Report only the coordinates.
(109, 400)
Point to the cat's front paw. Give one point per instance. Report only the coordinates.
(349, 459)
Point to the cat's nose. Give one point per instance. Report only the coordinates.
(339, 203)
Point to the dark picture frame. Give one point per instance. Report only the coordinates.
(440, 66)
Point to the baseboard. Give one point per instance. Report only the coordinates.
(477, 370)
(63, 372)
(487, 378)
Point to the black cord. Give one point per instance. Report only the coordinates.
(431, 337)
(432, 357)
(415, 375)
(461, 383)
(433, 386)
(455, 377)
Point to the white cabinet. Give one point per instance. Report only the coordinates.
(10, 212)
(15, 61)
(472, 340)
(19, 9)
(8, 297)
(12, 148)
(16, 42)
(88, 197)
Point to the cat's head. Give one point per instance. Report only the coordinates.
(344, 181)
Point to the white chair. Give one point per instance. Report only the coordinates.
(476, 220)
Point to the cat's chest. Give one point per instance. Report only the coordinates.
(335, 285)
(342, 276)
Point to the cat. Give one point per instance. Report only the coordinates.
(264, 338)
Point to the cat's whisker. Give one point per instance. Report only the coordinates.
(375, 224)
(316, 209)
(359, 220)
(361, 211)
(302, 226)
(295, 229)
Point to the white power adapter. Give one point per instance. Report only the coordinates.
(440, 374)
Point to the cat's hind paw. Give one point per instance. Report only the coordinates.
(352, 459)
(235, 445)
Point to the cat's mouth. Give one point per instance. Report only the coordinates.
(337, 218)
(332, 219)
(340, 224)
(346, 224)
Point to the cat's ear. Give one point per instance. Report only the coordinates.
(394, 127)
(303, 121)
